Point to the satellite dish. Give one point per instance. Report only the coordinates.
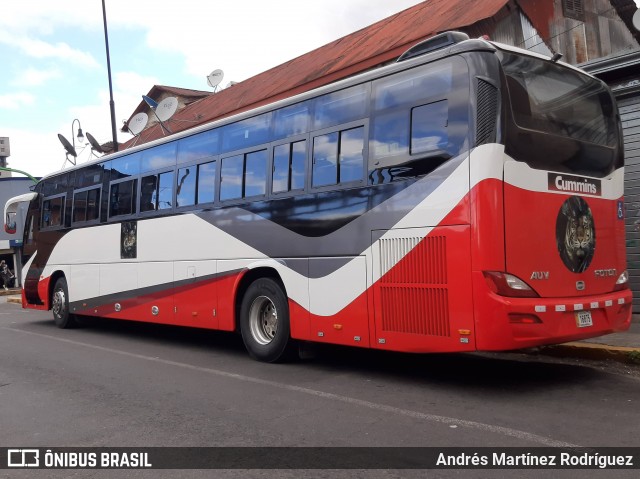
(231, 83)
(95, 146)
(215, 77)
(167, 108)
(137, 123)
(67, 146)
(636, 20)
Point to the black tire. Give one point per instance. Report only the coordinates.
(60, 306)
(264, 321)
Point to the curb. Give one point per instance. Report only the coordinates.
(596, 351)
(14, 299)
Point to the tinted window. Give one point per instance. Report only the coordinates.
(52, 212)
(158, 157)
(80, 206)
(207, 182)
(198, 146)
(246, 133)
(148, 188)
(255, 178)
(93, 204)
(351, 155)
(186, 186)
(563, 120)
(231, 177)
(55, 185)
(429, 127)
(390, 134)
(90, 175)
(126, 166)
(340, 107)
(164, 195)
(156, 192)
(292, 120)
(122, 198)
(298, 162)
(325, 159)
(412, 86)
(288, 166)
(281, 168)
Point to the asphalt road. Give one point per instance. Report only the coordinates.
(133, 384)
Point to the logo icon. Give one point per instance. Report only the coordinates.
(575, 234)
(23, 458)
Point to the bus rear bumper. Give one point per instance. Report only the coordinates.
(504, 323)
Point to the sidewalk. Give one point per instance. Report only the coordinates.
(623, 347)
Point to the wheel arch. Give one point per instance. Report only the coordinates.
(53, 279)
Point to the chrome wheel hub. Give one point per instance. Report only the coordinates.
(263, 320)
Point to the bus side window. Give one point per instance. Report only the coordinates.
(52, 212)
(207, 182)
(288, 166)
(122, 198)
(429, 127)
(338, 157)
(186, 187)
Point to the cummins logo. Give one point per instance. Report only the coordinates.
(574, 184)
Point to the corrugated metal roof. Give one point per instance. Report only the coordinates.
(371, 46)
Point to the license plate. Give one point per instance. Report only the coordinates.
(583, 319)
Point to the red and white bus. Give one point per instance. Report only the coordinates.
(468, 197)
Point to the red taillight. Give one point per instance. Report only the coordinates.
(10, 230)
(506, 284)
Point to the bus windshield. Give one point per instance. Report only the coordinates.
(552, 99)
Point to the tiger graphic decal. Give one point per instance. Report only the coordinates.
(575, 234)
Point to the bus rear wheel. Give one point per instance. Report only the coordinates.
(264, 321)
(60, 306)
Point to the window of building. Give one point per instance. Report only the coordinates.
(573, 9)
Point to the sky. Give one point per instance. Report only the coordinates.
(54, 70)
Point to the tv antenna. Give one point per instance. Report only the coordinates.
(214, 78)
(95, 146)
(70, 150)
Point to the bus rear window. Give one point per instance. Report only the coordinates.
(555, 99)
(563, 120)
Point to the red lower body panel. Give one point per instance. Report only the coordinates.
(504, 323)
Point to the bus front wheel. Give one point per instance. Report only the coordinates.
(60, 305)
(264, 321)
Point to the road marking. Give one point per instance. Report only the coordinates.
(450, 421)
